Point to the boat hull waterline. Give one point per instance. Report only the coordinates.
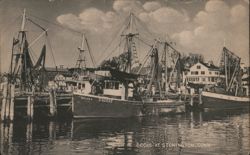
(91, 106)
(221, 101)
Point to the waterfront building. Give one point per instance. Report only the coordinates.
(202, 73)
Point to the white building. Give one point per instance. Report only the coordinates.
(202, 73)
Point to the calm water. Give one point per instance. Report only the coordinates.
(190, 133)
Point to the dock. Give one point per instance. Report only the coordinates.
(30, 105)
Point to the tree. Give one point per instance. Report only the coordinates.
(190, 60)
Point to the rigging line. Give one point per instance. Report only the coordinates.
(145, 60)
(55, 24)
(145, 37)
(113, 50)
(144, 26)
(52, 51)
(117, 32)
(144, 42)
(33, 55)
(91, 56)
(173, 48)
(43, 33)
(126, 26)
(36, 24)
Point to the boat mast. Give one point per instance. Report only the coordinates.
(166, 67)
(130, 41)
(81, 61)
(225, 66)
(23, 20)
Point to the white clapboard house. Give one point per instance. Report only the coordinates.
(202, 73)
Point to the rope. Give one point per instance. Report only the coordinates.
(91, 56)
(52, 51)
(145, 60)
(55, 24)
(113, 50)
(36, 24)
(119, 31)
(144, 42)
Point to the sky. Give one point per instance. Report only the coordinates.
(195, 26)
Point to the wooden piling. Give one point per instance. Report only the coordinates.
(7, 105)
(2, 138)
(179, 94)
(72, 104)
(12, 98)
(53, 106)
(191, 97)
(29, 132)
(51, 101)
(3, 110)
(200, 96)
(30, 107)
(55, 102)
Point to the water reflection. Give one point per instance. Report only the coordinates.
(191, 133)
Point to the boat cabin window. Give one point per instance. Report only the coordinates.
(80, 86)
(111, 85)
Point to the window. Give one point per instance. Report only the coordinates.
(202, 72)
(198, 67)
(107, 85)
(203, 79)
(192, 73)
(210, 73)
(116, 85)
(83, 85)
(196, 73)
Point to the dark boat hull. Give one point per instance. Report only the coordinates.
(220, 101)
(90, 106)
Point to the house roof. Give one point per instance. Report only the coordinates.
(209, 66)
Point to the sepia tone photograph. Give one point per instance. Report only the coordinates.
(124, 77)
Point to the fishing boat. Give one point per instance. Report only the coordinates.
(117, 91)
(228, 94)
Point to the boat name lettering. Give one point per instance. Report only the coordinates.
(86, 98)
(105, 100)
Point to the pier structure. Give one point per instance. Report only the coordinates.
(194, 99)
(32, 104)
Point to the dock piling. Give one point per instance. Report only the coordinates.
(191, 97)
(4, 100)
(7, 105)
(200, 96)
(53, 104)
(30, 107)
(12, 98)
